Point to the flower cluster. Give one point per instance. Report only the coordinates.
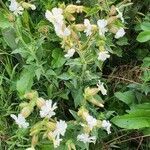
(17, 8)
(70, 41)
(54, 130)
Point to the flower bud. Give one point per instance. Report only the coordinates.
(79, 9)
(40, 102)
(11, 18)
(95, 102)
(94, 28)
(111, 19)
(83, 112)
(79, 27)
(31, 95)
(33, 132)
(50, 125)
(24, 104)
(90, 91)
(113, 29)
(112, 11)
(34, 140)
(28, 5)
(26, 111)
(74, 8)
(70, 145)
(70, 17)
(71, 8)
(43, 29)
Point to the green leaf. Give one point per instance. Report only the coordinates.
(9, 36)
(144, 36)
(146, 62)
(145, 26)
(78, 96)
(135, 120)
(144, 106)
(126, 97)
(122, 41)
(4, 23)
(25, 82)
(58, 58)
(65, 76)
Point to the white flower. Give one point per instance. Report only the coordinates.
(120, 33)
(15, 7)
(102, 88)
(103, 55)
(78, 2)
(20, 121)
(85, 138)
(120, 15)
(33, 7)
(70, 53)
(88, 27)
(102, 23)
(106, 125)
(55, 17)
(60, 129)
(47, 110)
(92, 122)
(57, 141)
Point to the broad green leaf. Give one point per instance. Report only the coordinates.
(144, 36)
(135, 120)
(58, 58)
(65, 76)
(145, 26)
(10, 37)
(77, 96)
(126, 97)
(146, 62)
(4, 23)
(122, 41)
(25, 82)
(144, 106)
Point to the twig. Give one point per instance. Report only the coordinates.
(131, 81)
(140, 143)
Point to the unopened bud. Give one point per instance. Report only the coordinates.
(79, 9)
(70, 17)
(90, 91)
(26, 111)
(24, 104)
(94, 28)
(40, 102)
(11, 18)
(111, 19)
(34, 140)
(79, 27)
(112, 11)
(50, 125)
(113, 29)
(43, 29)
(28, 5)
(83, 112)
(74, 8)
(70, 145)
(71, 9)
(31, 95)
(95, 102)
